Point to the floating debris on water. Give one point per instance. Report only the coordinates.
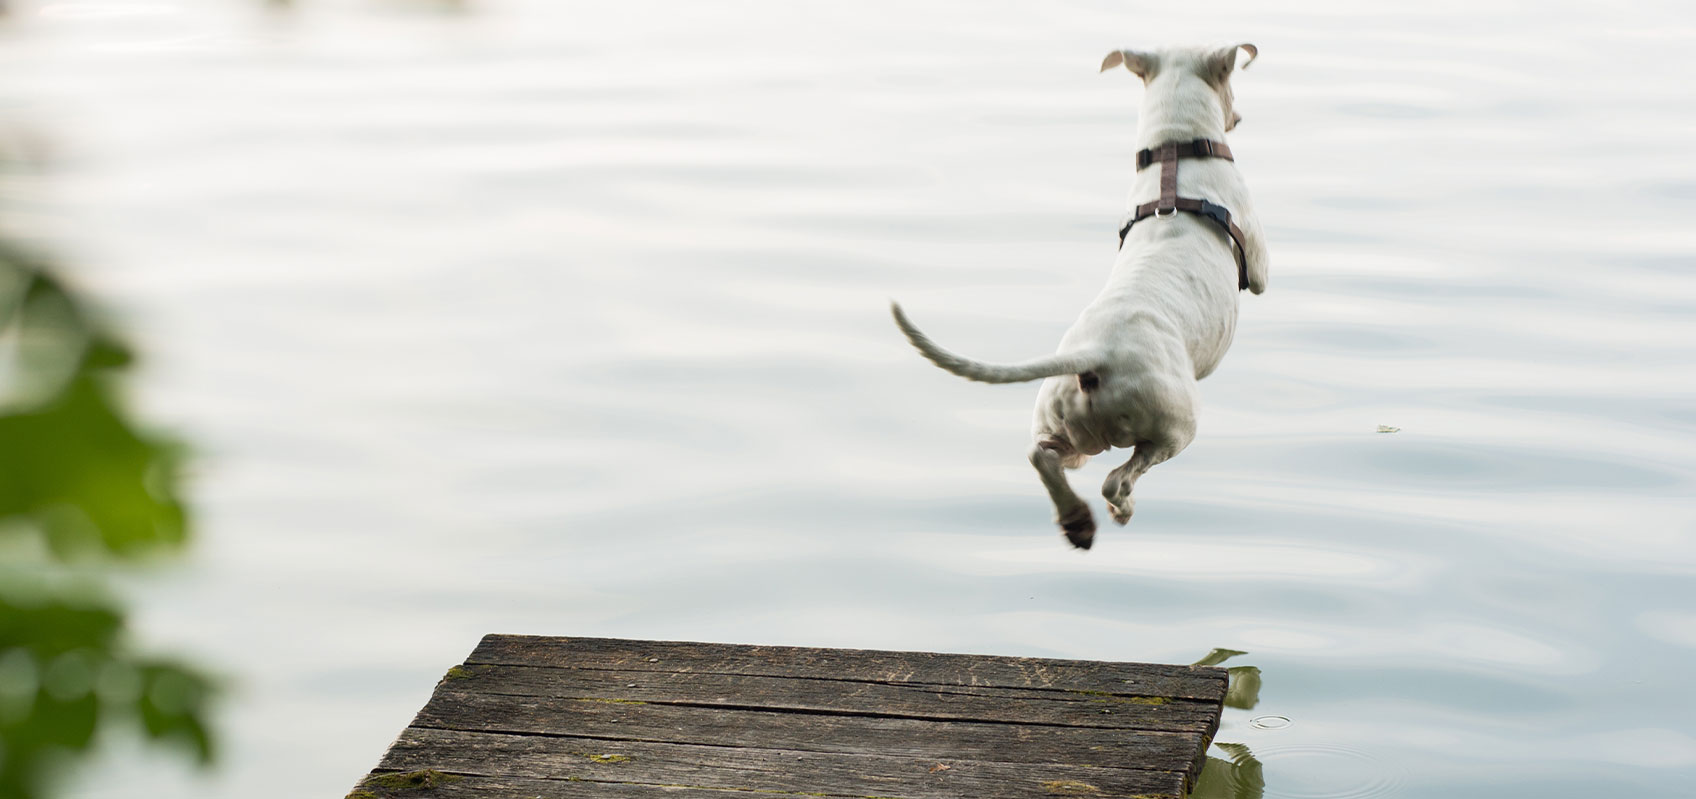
(1384, 428)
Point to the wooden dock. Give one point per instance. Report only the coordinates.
(563, 718)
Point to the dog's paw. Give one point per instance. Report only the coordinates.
(1079, 528)
(1122, 510)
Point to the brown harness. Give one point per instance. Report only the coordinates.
(1167, 156)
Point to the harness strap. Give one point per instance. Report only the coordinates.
(1168, 179)
(1170, 203)
(1200, 148)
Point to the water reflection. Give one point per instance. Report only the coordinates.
(1239, 775)
(1243, 692)
(1304, 769)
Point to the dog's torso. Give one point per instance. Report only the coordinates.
(1166, 317)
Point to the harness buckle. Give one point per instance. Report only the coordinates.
(1203, 147)
(1217, 213)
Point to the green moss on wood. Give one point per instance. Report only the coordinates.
(459, 673)
(378, 786)
(1090, 693)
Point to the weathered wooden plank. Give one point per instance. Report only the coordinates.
(956, 703)
(456, 786)
(566, 718)
(1128, 679)
(617, 720)
(742, 768)
(475, 787)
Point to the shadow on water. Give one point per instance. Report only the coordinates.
(1239, 775)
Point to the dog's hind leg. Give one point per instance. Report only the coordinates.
(1148, 454)
(1051, 456)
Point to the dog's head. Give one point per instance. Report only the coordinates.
(1187, 75)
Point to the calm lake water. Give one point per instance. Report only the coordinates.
(570, 318)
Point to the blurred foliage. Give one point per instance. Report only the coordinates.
(81, 489)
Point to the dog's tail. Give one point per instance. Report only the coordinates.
(1050, 366)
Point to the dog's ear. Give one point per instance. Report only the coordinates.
(1141, 64)
(1224, 60)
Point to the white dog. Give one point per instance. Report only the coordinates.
(1125, 373)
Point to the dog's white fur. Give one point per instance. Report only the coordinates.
(1167, 314)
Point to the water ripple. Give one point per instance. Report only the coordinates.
(1328, 771)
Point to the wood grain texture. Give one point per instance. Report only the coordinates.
(742, 768)
(1025, 743)
(856, 665)
(938, 702)
(528, 716)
